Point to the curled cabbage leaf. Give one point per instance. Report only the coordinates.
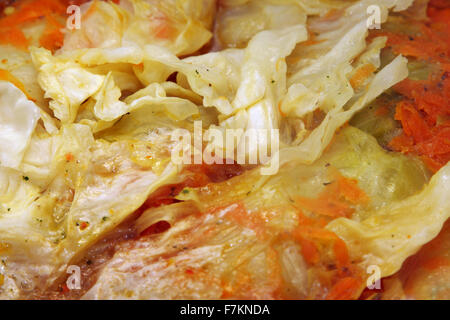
(243, 222)
(69, 85)
(97, 185)
(312, 147)
(393, 233)
(247, 98)
(182, 26)
(239, 21)
(330, 74)
(108, 107)
(66, 83)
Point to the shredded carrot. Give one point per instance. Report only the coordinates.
(310, 238)
(27, 11)
(250, 220)
(13, 36)
(195, 176)
(341, 253)
(361, 75)
(52, 38)
(309, 251)
(327, 205)
(345, 289)
(431, 142)
(337, 198)
(424, 111)
(413, 123)
(350, 191)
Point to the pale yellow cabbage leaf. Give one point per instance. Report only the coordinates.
(19, 64)
(182, 26)
(393, 233)
(94, 191)
(312, 147)
(66, 83)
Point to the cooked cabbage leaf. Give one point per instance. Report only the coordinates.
(239, 21)
(385, 238)
(182, 26)
(243, 222)
(97, 185)
(18, 118)
(312, 147)
(19, 64)
(65, 82)
(98, 143)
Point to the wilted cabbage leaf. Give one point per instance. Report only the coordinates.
(182, 26)
(18, 118)
(95, 187)
(385, 238)
(246, 220)
(87, 139)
